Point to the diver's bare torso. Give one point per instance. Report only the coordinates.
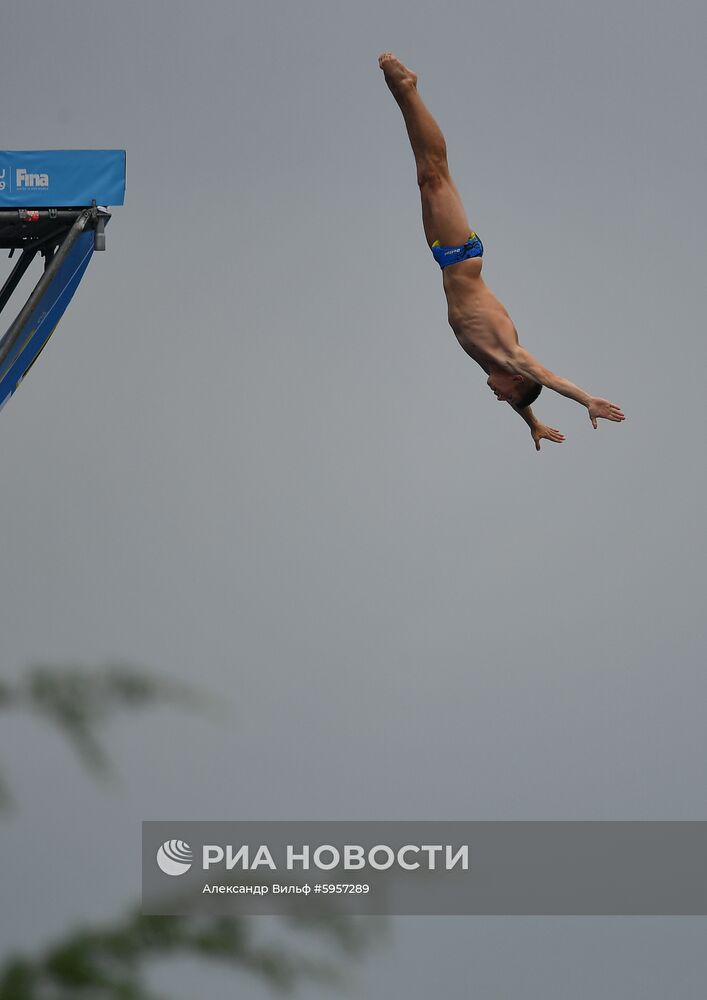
(479, 320)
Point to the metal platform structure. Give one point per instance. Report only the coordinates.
(53, 206)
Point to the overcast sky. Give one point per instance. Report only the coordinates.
(254, 457)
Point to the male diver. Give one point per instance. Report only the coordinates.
(480, 322)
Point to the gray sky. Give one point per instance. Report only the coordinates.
(254, 457)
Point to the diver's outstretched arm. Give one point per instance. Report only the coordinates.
(522, 362)
(538, 430)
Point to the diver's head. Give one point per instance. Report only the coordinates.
(517, 390)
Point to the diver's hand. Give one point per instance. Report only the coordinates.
(540, 431)
(603, 408)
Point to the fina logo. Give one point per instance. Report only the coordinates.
(174, 857)
(25, 181)
(2, 179)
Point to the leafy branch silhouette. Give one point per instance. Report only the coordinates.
(79, 700)
(112, 963)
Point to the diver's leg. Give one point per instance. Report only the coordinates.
(443, 214)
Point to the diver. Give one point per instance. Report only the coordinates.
(480, 322)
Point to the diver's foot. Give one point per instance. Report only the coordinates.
(397, 76)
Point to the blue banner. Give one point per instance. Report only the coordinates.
(61, 178)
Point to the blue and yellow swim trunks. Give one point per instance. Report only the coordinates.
(452, 255)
